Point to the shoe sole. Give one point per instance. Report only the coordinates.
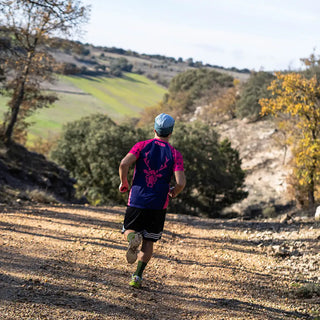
(132, 252)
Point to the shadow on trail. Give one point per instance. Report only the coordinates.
(226, 308)
(206, 223)
(217, 263)
(73, 219)
(78, 285)
(141, 304)
(95, 297)
(242, 245)
(231, 243)
(67, 219)
(61, 280)
(69, 298)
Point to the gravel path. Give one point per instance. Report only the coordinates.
(68, 262)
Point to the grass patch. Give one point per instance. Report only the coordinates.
(3, 106)
(81, 96)
(41, 196)
(269, 212)
(122, 96)
(306, 291)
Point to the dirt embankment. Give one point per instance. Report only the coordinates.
(25, 175)
(68, 262)
(264, 158)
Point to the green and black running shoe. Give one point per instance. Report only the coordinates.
(135, 281)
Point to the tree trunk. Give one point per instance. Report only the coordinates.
(14, 114)
(18, 99)
(311, 198)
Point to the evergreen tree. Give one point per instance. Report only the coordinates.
(253, 90)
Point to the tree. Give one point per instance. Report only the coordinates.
(298, 98)
(91, 150)
(28, 26)
(312, 64)
(219, 105)
(117, 66)
(252, 91)
(189, 89)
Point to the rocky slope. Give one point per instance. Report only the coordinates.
(28, 176)
(264, 160)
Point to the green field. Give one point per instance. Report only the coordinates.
(82, 96)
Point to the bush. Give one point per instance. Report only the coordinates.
(69, 68)
(92, 148)
(269, 212)
(252, 91)
(118, 66)
(198, 81)
(307, 291)
(41, 196)
(188, 88)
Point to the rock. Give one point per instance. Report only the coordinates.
(285, 218)
(317, 214)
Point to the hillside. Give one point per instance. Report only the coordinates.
(27, 176)
(81, 96)
(95, 90)
(89, 86)
(265, 162)
(92, 59)
(68, 263)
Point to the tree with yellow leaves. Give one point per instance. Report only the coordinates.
(297, 99)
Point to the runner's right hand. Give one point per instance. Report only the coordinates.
(124, 187)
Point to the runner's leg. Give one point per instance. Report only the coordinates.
(146, 251)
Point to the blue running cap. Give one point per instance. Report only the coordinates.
(163, 124)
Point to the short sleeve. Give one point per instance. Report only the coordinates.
(178, 162)
(136, 149)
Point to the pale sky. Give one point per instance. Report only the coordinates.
(254, 34)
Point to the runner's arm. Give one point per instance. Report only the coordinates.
(125, 164)
(180, 183)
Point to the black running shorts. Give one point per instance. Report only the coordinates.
(148, 222)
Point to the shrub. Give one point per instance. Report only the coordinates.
(41, 196)
(269, 212)
(307, 290)
(92, 148)
(252, 91)
(118, 66)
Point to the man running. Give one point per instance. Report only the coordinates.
(156, 161)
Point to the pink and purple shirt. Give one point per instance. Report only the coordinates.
(156, 162)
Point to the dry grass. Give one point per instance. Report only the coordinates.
(41, 196)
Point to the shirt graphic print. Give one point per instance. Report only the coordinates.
(156, 162)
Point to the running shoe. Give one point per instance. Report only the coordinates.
(135, 281)
(132, 252)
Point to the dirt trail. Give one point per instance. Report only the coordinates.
(68, 263)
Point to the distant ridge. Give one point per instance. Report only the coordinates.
(87, 58)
